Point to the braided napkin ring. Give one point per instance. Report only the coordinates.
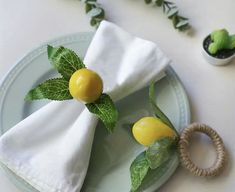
(184, 142)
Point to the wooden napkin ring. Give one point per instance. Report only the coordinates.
(184, 142)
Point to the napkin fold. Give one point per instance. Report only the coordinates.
(51, 148)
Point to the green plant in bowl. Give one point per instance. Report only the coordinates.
(219, 47)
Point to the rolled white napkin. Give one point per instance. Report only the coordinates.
(51, 148)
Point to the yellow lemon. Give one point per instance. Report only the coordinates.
(149, 129)
(85, 85)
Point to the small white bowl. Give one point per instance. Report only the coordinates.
(213, 60)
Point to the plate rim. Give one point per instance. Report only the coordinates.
(172, 77)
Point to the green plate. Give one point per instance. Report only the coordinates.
(111, 154)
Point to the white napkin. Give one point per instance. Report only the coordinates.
(51, 148)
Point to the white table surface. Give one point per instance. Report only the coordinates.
(25, 24)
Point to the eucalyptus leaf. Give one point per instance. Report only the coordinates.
(159, 2)
(182, 18)
(64, 60)
(182, 23)
(88, 7)
(184, 27)
(175, 20)
(172, 12)
(93, 21)
(101, 16)
(138, 170)
(159, 152)
(94, 3)
(53, 89)
(105, 109)
(94, 12)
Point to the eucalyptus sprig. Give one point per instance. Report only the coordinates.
(67, 62)
(156, 156)
(97, 13)
(170, 9)
(94, 11)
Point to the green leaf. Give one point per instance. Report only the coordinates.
(101, 16)
(105, 109)
(159, 152)
(182, 23)
(175, 20)
(64, 60)
(184, 27)
(154, 175)
(94, 3)
(158, 112)
(53, 89)
(93, 21)
(95, 12)
(183, 18)
(88, 7)
(138, 170)
(172, 12)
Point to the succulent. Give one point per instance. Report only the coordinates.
(221, 40)
(232, 39)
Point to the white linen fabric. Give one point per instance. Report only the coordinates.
(51, 148)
